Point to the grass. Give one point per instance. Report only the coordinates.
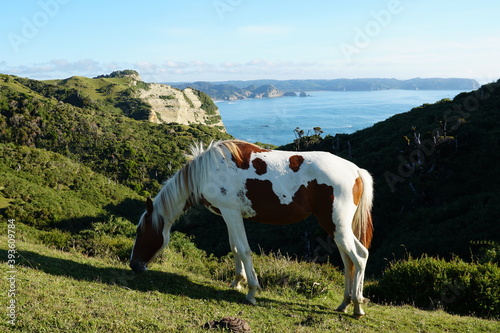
(93, 87)
(60, 291)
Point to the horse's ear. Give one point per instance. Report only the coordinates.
(149, 205)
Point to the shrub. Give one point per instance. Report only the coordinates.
(105, 246)
(455, 286)
(59, 239)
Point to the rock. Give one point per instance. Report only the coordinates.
(266, 91)
(233, 324)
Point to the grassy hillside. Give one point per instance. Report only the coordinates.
(75, 170)
(60, 292)
(45, 190)
(71, 122)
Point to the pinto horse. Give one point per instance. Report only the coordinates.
(239, 180)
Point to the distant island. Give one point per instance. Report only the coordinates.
(234, 90)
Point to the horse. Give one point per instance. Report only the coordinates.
(237, 180)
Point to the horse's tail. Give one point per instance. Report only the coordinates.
(362, 224)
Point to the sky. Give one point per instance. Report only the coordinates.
(217, 40)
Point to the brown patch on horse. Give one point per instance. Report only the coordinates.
(357, 190)
(362, 221)
(295, 162)
(260, 166)
(313, 198)
(241, 151)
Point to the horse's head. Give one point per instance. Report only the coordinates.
(150, 239)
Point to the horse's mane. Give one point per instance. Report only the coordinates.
(185, 183)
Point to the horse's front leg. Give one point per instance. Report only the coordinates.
(240, 275)
(241, 250)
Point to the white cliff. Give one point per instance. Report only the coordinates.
(170, 105)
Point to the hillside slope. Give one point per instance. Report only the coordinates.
(46, 190)
(74, 172)
(90, 129)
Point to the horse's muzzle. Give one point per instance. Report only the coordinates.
(138, 266)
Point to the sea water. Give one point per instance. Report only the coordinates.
(273, 120)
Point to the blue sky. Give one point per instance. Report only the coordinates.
(215, 40)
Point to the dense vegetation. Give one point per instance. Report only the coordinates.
(75, 169)
(456, 286)
(88, 130)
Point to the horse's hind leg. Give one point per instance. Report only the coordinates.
(241, 250)
(352, 247)
(348, 280)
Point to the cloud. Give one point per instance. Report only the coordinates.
(172, 70)
(377, 64)
(56, 68)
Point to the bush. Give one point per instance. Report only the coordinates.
(456, 286)
(59, 239)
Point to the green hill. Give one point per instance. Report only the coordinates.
(46, 190)
(75, 123)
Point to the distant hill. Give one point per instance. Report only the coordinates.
(231, 90)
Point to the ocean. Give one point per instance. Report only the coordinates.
(273, 120)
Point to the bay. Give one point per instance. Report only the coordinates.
(273, 120)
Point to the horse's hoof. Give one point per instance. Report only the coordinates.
(342, 307)
(251, 301)
(236, 285)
